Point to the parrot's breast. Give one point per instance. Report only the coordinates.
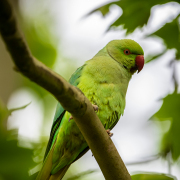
(104, 85)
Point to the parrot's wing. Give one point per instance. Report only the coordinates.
(56, 123)
(60, 111)
(116, 119)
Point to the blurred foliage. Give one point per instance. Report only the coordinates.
(42, 46)
(152, 176)
(172, 40)
(136, 14)
(153, 57)
(15, 161)
(24, 163)
(40, 42)
(170, 111)
(19, 108)
(82, 175)
(3, 114)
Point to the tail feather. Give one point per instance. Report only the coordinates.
(44, 173)
(60, 174)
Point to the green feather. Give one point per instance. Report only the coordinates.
(104, 81)
(74, 80)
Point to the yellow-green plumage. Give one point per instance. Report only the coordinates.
(103, 80)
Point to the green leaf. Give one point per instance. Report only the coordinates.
(82, 175)
(170, 110)
(40, 42)
(42, 45)
(15, 161)
(19, 108)
(135, 13)
(152, 176)
(3, 112)
(153, 57)
(170, 33)
(104, 9)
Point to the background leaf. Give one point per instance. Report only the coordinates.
(170, 33)
(15, 161)
(135, 13)
(82, 175)
(170, 110)
(18, 108)
(152, 176)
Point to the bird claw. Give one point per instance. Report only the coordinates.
(70, 118)
(95, 107)
(109, 133)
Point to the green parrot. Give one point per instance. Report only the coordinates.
(103, 80)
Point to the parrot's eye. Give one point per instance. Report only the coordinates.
(127, 51)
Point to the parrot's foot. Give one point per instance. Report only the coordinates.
(95, 107)
(109, 133)
(70, 118)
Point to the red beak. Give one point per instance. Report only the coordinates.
(139, 62)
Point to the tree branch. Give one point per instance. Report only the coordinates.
(70, 98)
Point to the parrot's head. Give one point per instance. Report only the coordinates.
(127, 53)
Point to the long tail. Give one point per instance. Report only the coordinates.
(60, 174)
(45, 173)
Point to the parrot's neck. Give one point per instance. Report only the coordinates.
(102, 52)
(111, 70)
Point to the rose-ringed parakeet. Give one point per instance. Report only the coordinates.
(103, 80)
